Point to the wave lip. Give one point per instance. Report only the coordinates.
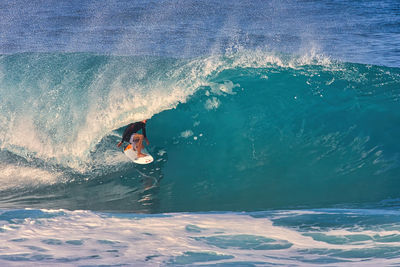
(59, 106)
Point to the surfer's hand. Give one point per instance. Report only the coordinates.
(119, 144)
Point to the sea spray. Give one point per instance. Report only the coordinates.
(252, 124)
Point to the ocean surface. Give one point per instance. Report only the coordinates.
(274, 126)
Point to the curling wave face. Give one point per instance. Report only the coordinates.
(249, 130)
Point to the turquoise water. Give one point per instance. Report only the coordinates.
(249, 131)
(273, 125)
(286, 142)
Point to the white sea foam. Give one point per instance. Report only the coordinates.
(225, 88)
(212, 103)
(83, 237)
(187, 133)
(15, 176)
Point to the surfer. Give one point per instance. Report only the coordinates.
(130, 135)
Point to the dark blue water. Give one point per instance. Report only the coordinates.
(364, 32)
(287, 111)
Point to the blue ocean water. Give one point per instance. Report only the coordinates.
(273, 125)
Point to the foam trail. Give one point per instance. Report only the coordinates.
(16, 176)
(83, 237)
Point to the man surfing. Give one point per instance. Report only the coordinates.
(130, 135)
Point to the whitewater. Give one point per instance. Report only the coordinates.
(274, 128)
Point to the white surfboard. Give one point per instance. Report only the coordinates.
(132, 154)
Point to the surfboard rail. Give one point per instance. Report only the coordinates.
(132, 155)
